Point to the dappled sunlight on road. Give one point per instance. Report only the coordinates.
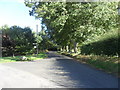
(62, 71)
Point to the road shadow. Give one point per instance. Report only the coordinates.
(81, 74)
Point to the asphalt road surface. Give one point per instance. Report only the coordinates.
(56, 71)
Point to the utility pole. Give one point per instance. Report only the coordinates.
(37, 34)
(0, 43)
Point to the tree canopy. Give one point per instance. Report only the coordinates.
(72, 23)
(65, 25)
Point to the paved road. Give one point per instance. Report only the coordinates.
(56, 71)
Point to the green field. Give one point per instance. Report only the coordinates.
(17, 58)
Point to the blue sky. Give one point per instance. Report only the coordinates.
(14, 12)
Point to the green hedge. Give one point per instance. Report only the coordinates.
(107, 44)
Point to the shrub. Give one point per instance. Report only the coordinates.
(106, 44)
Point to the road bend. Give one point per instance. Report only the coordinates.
(56, 71)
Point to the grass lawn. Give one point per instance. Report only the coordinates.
(17, 58)
(108, 64)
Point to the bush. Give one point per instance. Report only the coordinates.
(106, 44)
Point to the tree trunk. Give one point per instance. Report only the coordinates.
(61, 49)
(13, 55)
(75, 47)
(67, 48)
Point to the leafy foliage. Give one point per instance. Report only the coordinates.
(17, 40)
(72, 23)
(106, 44)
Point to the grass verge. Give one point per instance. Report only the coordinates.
(17, 58)
(105, 63)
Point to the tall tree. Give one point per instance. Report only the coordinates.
(17, 40)
(71, 23)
